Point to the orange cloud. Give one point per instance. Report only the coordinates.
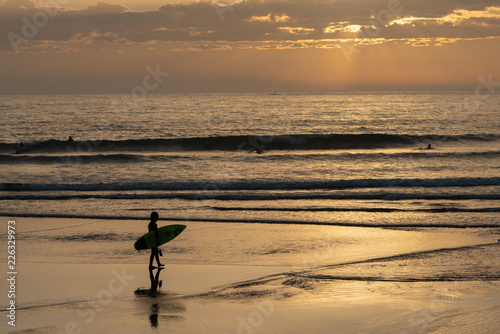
(297, 30)
(457, 17)
(270, 18)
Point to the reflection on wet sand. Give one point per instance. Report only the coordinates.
(160, 306)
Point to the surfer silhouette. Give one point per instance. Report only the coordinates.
(154, 251)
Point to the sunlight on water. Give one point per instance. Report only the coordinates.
(90, 117)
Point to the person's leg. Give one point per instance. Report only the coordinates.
(158, 258)
(151, 257)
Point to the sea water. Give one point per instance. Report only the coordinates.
(343, 158)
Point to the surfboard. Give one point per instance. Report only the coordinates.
(165, 234)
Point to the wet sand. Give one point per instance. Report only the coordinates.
(403, 284)
(117, 299)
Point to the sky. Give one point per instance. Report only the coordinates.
(161, 46)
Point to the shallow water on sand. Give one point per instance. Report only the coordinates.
(233, 277)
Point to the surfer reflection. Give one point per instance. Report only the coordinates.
(154, 251)
(156, 303)
(155, 283)
(153, 318)
(153, 293)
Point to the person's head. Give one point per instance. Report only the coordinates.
(154, 216)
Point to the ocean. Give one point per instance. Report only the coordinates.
(335, 159)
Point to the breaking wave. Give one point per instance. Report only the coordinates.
(263, 185)
(234, 143)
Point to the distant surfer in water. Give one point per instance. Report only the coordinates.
(154, 251)
(20, 148)
(429, 147)
(258, 150)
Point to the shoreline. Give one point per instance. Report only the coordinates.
(259, 221)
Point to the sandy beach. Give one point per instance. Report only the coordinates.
(399, 282)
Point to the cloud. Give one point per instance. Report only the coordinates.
(200, 24)
(344, 27)
(269, 18)
(299, 45)
(297, 30)
(460, 15)
(99, 37)
(203, 47)
(327, 46)
(421, 43)
(48, 46)
(441, 41)
(17, 5)
(106, 8)
(456, 18)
